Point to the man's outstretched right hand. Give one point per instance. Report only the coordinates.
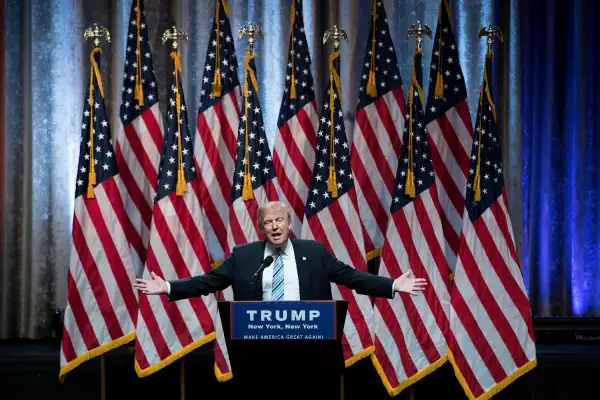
(155, 286)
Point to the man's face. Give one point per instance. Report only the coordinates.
(276, 226)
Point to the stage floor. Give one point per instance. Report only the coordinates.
(29, 370)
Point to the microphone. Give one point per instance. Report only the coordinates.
(255, 282)
(266, 262)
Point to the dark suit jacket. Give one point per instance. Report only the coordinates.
(316, 269)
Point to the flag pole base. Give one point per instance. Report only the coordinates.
(102, 378)
(182, 380)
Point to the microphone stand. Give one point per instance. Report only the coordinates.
(257, 280)
(258, 276)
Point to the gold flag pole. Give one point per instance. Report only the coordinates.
(371, 83)
(96, 33)
(250, 30)
(490, 32)
(182, 379)
(175, 36)
(335, 34)
(417, 30)
(102, 378)
(217, 86)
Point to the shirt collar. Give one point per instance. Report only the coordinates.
(284, 249)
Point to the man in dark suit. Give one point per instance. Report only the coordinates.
(297, 270)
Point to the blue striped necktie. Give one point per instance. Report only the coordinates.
(277, 286)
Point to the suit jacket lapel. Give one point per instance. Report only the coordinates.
(303, 272)
(258, 259)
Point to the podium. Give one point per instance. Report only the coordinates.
(286, 349)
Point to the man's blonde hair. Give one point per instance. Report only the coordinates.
(272, 206)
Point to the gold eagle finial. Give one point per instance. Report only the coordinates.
(419, 30)
(251, 30)
(96, 32)
(490, 32)
(175, 35)
(336, 34)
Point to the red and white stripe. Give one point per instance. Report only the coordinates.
(222, 363)
(410, 332)
(451, 140)
(101, 306)
(138, 149)
(493, 338)
(294, 158)
(337, 227)
(376, 144)
(214, 148)
(167, 330)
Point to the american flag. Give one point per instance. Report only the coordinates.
(166, 331)
(410, 332)
(101, 302)
(450, 128)
(331, 215)
(294, 150)
(254, 183)
(218, 119)
(254, 180)
(140, 134)
(377, 131)
(493, 342)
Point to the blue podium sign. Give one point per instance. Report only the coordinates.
(285, 320)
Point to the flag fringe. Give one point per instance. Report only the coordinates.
(221, 377)
(360, 355)
(142, 373)
(519, 372)
(98, 351)
(374, 254)
(217, 263)
(394, 391)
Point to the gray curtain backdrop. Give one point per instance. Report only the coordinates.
(45, 63)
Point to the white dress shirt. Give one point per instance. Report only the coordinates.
(291, 284)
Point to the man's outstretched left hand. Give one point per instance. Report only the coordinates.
(407, 283)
